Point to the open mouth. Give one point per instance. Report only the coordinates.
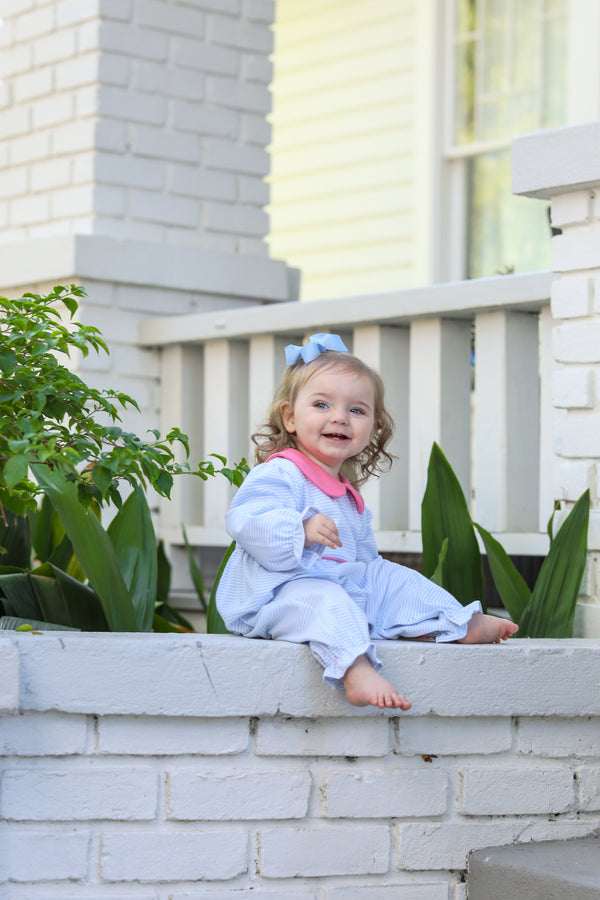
(337, 437)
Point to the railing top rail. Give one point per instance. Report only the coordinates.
(460, 299)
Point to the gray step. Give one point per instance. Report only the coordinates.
(552, 870)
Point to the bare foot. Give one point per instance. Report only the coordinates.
(364, 686)
(484, 629)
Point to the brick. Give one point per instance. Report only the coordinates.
(9, 678)
(571, 209)
(252, 893)
(50, 174)
(52, 111)
(237, 33)
(111, 136)
(130, 172)
(594, 530)
(260, 11)
(138, 107)
(578, 342)
(571, 296)
(154, 77)
(256, 130)
(28, 210)
(125, 38)
(422, 891)
(174, 856)
(573, 388)
(572, 478)
(238, 795)
(33, 24)
(73, 137)
(54, 47)
(83, 167)
(70, 12)
(34, 84)
(114, 69)
(155, 142)
(86, 102)
(391, 793)
(43, 855)
(577, 435)
(170, 17)
(253, 247)
(191, 53)
(588, 780)
(73, 73)
(15, 60)
(451, 737)
(158, 736)
(322, 737)
(233, 94)
(109, 201)
(116, 9)
(195, 182)
(257, 68)
(161, 208)
(558, 738)
(317, 852)
(72, 201)
(230, 218)
(505, 792)
(575, 250)
(128, 794)
(218, 122)
(14, 182)
(16, 7)
(254, 190)
(220, 154)
(15, 122)
(42, 734)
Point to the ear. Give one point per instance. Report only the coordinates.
(287, 416)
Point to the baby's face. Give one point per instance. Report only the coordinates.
(333, 417)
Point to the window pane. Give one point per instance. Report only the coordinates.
(554, 97)
(507, 233)
(494, 74)
(465, 16)
(464, 93)
(525, 54)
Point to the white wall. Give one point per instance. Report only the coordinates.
(173, 767)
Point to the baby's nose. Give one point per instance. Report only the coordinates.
(339, 415)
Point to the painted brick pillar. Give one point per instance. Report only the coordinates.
(563, 165)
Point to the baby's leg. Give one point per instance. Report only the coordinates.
(483, 629)
(366, 687)
(322, 614)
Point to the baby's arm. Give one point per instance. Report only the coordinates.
(320, 529)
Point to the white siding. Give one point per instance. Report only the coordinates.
(343, 176)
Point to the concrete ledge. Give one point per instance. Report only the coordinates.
(213, 676)
(555, 870)
(80, 257)
(559, 161)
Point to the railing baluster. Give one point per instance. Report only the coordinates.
(386, 349)
(226, 425)
(507, 421)
(440, 387)
(546, 416)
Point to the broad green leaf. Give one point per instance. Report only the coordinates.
(214, 622)
(132, 535)
(81, 602)
(15, 539)
(93, 549)
(444, 514)
(15, 470)
(437, 576)
(19, 597)
(14, 623)
(42, 531)
(163, 574)
(511, 586)
(551, 610)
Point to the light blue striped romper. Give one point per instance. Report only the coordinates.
(336, 601)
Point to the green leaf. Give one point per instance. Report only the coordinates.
(8, 360)
(511, 586)
(214, 622)
(437, 576)
(551, 610)
(15, 470)
(444, 514)
(15, 539)
(163, 574)
(132, 535)
(93, 549)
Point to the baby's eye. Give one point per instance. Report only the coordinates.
(320, 404)
(357, 409)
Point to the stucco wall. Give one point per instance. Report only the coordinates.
(155, 767)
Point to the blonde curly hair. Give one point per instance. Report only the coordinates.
(273, 437)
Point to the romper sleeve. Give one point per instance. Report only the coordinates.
(266, 516)
(367, 546)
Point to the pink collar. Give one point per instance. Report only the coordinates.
(319, 477)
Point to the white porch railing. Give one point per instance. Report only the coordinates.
(490, 410)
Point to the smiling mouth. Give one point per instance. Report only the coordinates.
(337, 437)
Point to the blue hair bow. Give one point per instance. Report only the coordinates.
(317, 344)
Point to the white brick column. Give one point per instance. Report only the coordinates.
(563, 165)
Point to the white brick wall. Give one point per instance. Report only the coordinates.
(147, 767)
(147, 81)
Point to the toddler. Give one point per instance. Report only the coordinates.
(306, 567)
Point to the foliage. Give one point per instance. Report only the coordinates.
(451, 555)
(49, 415)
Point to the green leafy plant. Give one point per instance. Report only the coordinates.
(452, 557)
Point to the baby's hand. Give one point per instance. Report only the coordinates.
(320, 529)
